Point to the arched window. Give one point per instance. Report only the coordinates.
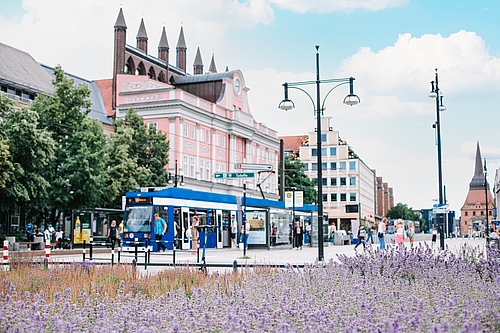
(141, 70)
(172, 80)
(129, 66)
(151, 73)
(161, 77)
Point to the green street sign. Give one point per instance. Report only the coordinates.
(229, 175)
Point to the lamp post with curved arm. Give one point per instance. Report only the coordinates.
(287, 104)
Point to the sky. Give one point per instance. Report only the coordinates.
(391, 48)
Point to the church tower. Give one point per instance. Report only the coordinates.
(142, 38)
(473, 211)
(181, 51)
(163, 51)
(198, 63)
(119, 52)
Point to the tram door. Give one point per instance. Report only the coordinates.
(218, 220)
(186, 228)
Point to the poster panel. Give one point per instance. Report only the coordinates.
(258, 227)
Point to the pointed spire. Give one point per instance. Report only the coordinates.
(197, 59)
(477, 182)
(227, 68)
(141, 34)
(212, 68)
(120, 21)
(163, 41)
(181, 43)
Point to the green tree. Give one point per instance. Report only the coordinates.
(31, 149)
(295, 177)
(76, 174)
(122, 173)
(5, 163)
(402, 211)
(149, 147)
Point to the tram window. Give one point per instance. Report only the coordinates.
(138, 219)
(163, 213)
(202, 215)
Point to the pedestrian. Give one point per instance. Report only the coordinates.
(113, 233)
(46, 234)
(36, 232)
(29, 232)
(234, 231)
(247, 233)
(371, 230)
(298, 235)
(361, 236)
(195, 234)
(400, 234)
(411, 232)
(434, 235)
(381, 233)
(52, 231)
(59, 237)
(308, 232)
(160, 230)
(331, 233)
(274, 232)
(120, 231)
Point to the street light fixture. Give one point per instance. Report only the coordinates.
(439, 108)
(175, 178)
(286, 104)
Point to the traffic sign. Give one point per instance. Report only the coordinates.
(440, 208)
(229, 175)
(252, 166)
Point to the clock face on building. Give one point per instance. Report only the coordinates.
(237, 86)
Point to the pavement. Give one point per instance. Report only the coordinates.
(275, 256)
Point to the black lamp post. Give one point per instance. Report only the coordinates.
(486, 196)
(439, 107)
(176, 179)
(287, 104)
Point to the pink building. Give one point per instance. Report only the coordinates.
(206, 117)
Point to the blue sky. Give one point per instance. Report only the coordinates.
(390, 46)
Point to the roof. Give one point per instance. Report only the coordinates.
(141, 34)
(197, 59)
(98, 110)
(120, 21)
(20, 70)
(107, 94)
(212, 68)
(181, 43)
(293, 142)
(204, 77)
(163, 40)
(477, 182)
(475, 196)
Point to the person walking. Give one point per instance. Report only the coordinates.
(160, 230)
(113, 232)
(195, 234)
(234, 231)
(298, 235)
(381, 233)
(371, 230)
(434, 235)
(361, 236)
(400, 234)
(59, 237)
(331, 233)
(274, 232)
(411, 232)
(29, 232)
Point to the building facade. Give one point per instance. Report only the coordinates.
(473, 212)
(206, 116)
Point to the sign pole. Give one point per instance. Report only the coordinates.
(244, 219)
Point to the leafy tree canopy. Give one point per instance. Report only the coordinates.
(402, 211)
(295, 177)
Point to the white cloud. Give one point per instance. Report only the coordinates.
(468, 149)
(328, 6)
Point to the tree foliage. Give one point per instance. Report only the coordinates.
(402, 211)
(5, 163)
(148, 147)
(295, 177)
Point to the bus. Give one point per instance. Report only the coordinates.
(179, 206)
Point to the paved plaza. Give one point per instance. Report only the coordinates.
(275, 256)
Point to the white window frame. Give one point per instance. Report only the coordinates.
(240, 146)
(192, 168)
(186, 166)
(223, 140)
(217, 139)
(207, 133)
(193, 132)
(208, 170)
(153, 123)
(202, 168)
(202, 135)
(186, 130)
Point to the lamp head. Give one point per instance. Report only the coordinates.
(351, 99)
(286, 105)
(433, 93)
(182, 181)
(441, 106)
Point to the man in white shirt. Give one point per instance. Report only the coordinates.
(234, 230)
(59, 236)
(47, 234)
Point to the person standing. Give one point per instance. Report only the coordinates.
(411, 232)
(47, 235)
(381, 233)
(371, 230)
(195, 234)
(120, 231)
(331, 233)
(434, 235)
(308, 232)
(113, 234)
(274, 232)
(59, 237)
(29, 232)
(400, 234)
(160, 230)
(298, 235)
(234, 230)
(361, 236)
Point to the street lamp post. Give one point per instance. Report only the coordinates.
(486, 196)
(439, 107)
(287, 104)
(176, 178)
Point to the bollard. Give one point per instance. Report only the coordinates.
(119, 252)
(134, 265)
(6, 255)
(198, 255)
(112, 257)
(146, 251)
(174, 254)
(135, 249)
(90, 250)
(47, 249)
(235, 266)
(84, 249)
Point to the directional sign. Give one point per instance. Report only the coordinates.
(251, 166)
(229, 175)
(441, 209)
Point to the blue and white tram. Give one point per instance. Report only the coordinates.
(177, 207)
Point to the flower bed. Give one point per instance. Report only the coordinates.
(411, 291)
